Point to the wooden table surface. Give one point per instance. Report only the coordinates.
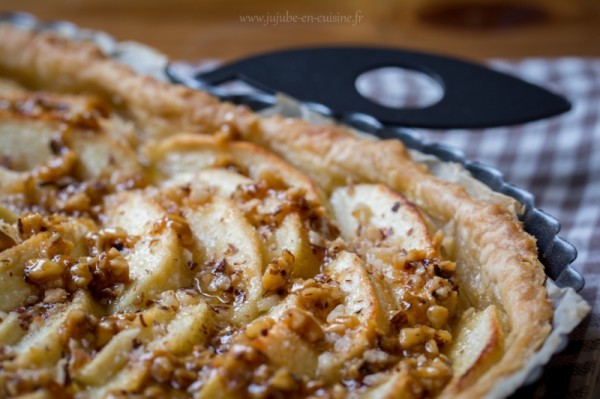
(187, 29)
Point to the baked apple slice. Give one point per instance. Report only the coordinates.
(232, 262)
(185, 153)
(156, 261)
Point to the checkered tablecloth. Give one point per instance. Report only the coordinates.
(558, 160)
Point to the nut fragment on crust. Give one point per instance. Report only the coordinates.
(283, 380)
(259, 327)
(58, 167)
(162, 369)
(78, 202)
(31, 224)
(319, 297)
(179, 225)
(303, 324)
(278, 272)
(40, 271)
(437, 315)
(55, 295)
(340, 324)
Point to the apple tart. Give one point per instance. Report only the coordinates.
(155, 242)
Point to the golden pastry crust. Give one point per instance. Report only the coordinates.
(53, 63)
(497, 263)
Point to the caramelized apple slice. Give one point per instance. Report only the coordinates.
(110, 359)
(10, 329)
(380, 216)
(286, 349)
(477, 346)
(221, 231)
(190, 326)
(176, 329)
(291, 236)
(360, 303)
(14, 290)
(156, 262)
(215, 387)
(126, 380)
(25, 144)
(214, 181)
(133, 211)
(358, 316)
(185, 152)
(383, 227)
(9, 229)
(37, 137)
(397, 386)
(43, 345)
(99, 155)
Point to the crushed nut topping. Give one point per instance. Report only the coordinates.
(205, 269)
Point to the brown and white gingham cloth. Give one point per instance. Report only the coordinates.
(557, 160)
